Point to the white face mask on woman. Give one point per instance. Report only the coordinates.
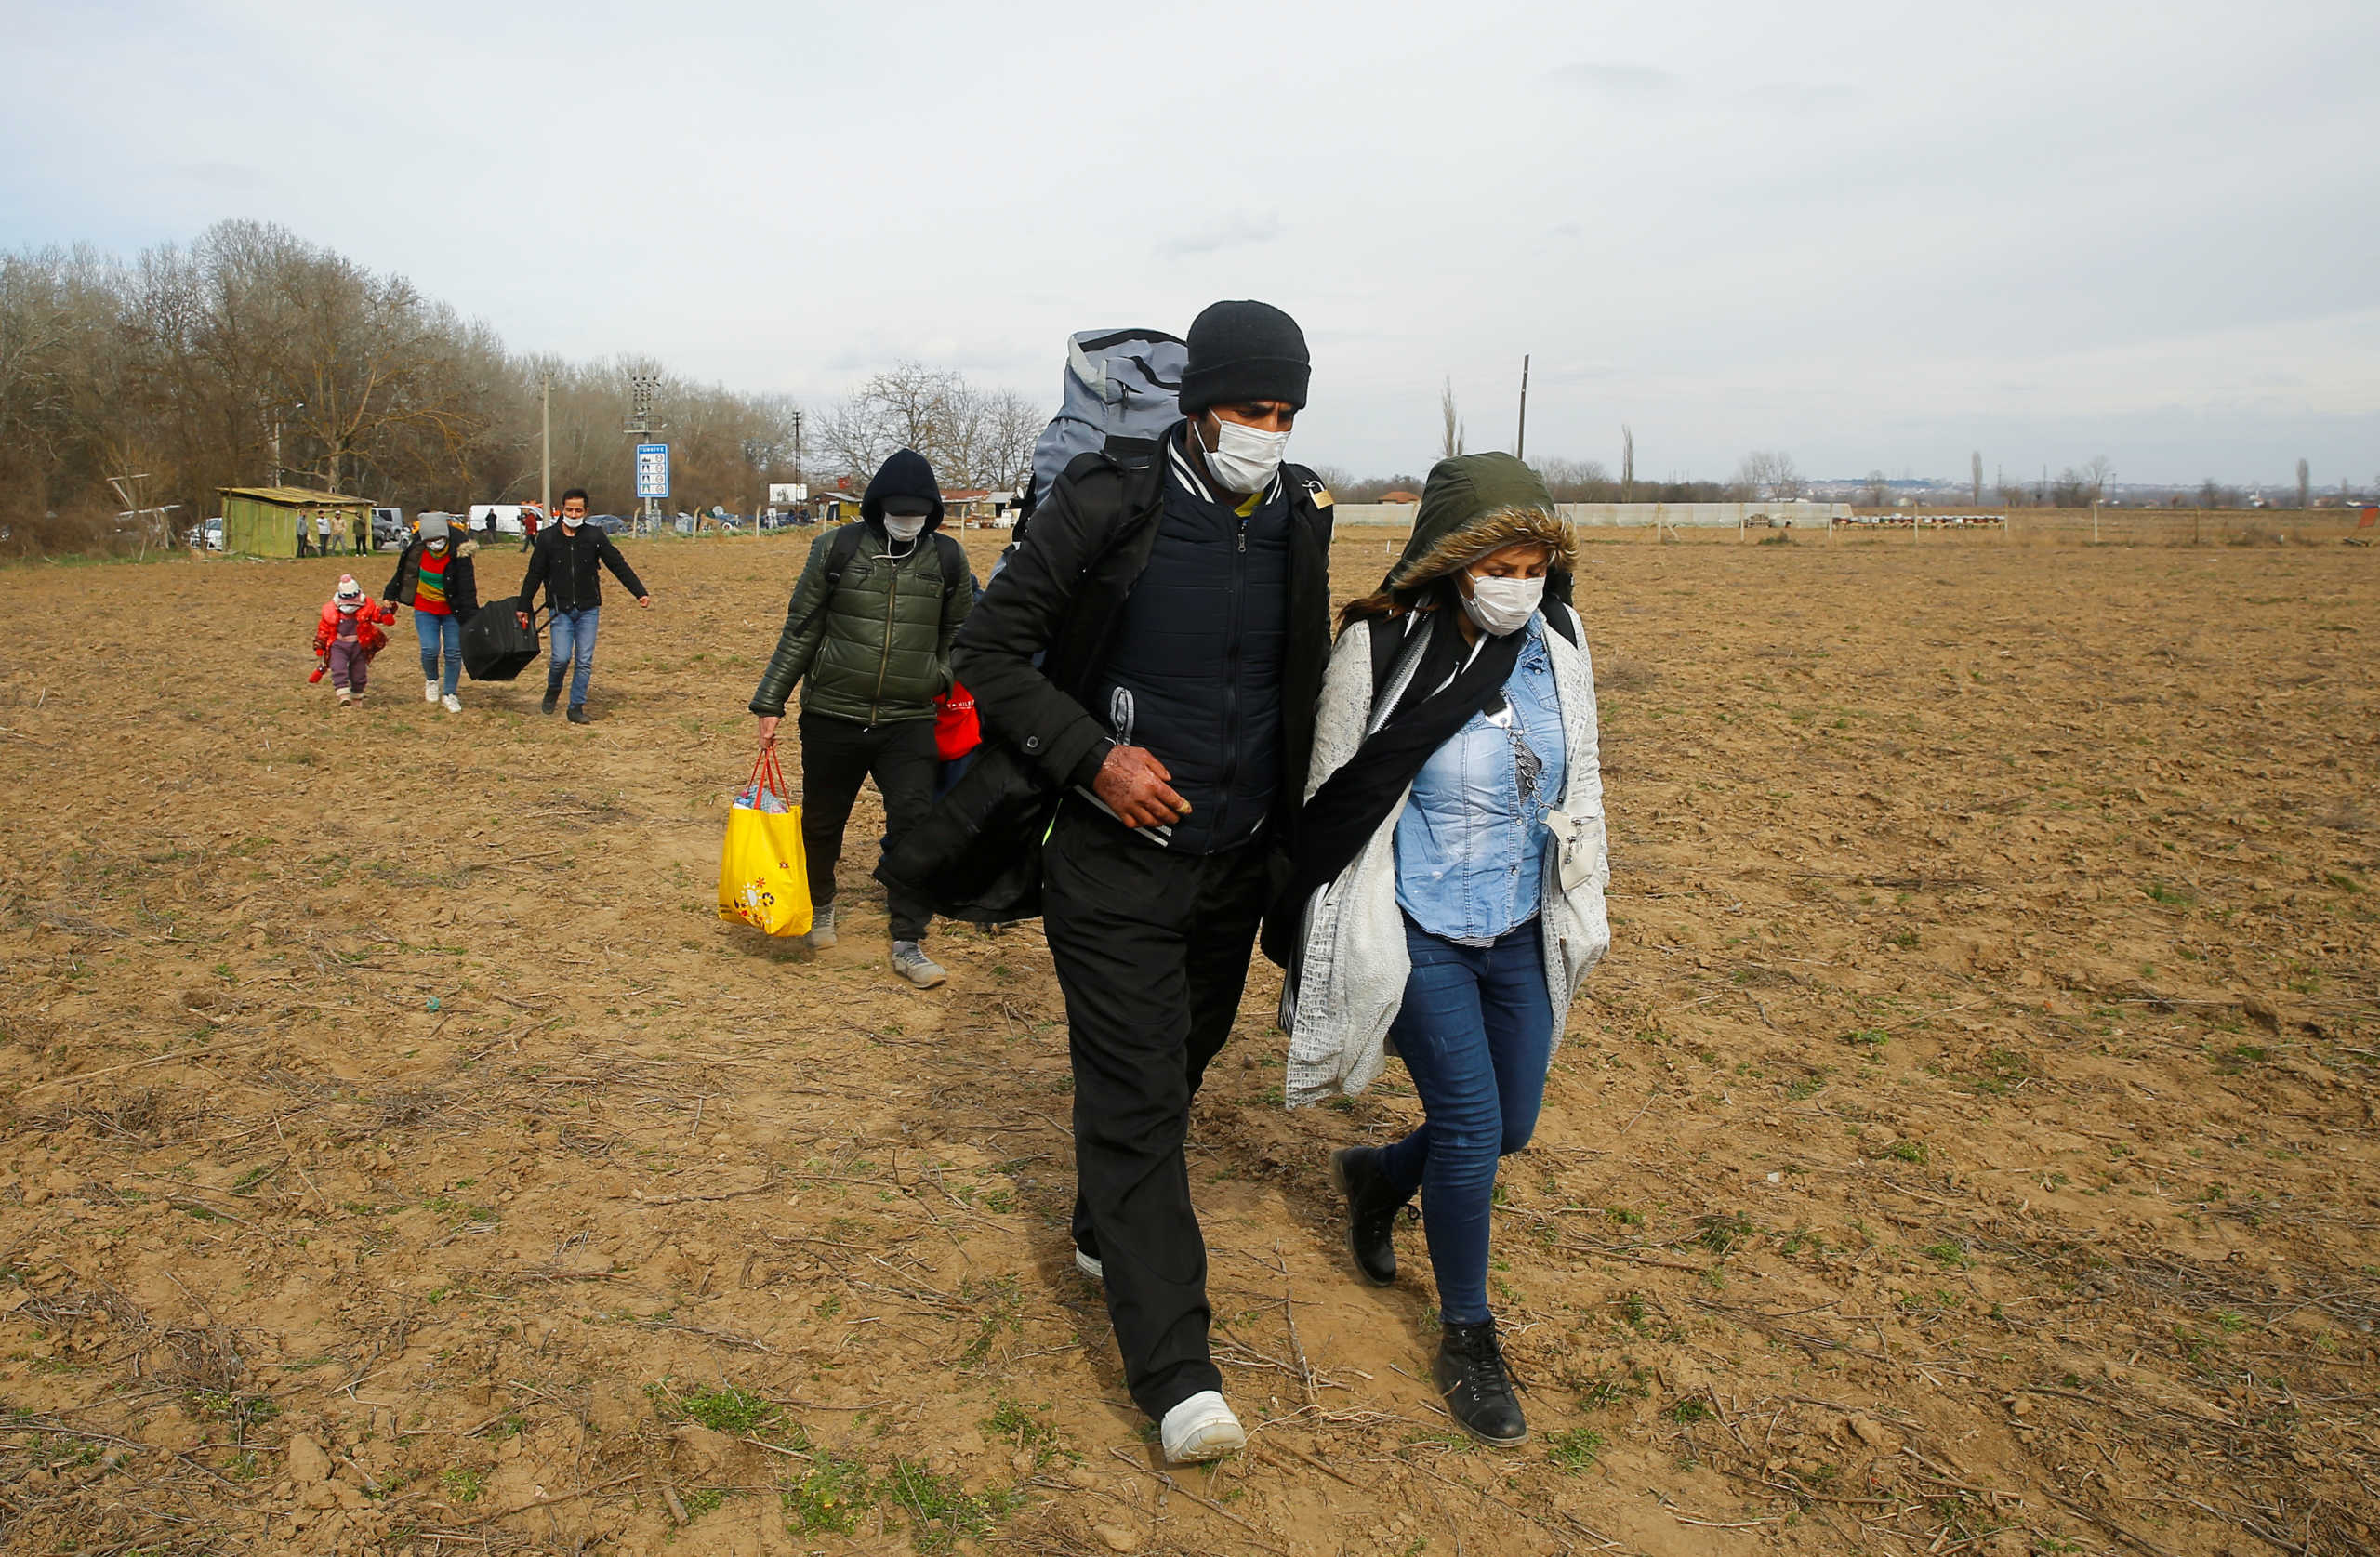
(1244, 459)
(1503, 605)
(905, 527)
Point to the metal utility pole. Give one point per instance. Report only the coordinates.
(796, 448)
(546, 486)
(642, 425)
(1627, 463)
(1520, 438)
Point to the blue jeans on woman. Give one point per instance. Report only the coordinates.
(435, 629)
(1476, 1032)
(574, 639)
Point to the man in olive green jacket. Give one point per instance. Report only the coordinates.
(868, 637)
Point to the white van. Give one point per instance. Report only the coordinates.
(507, 517)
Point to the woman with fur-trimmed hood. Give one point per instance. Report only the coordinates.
(1451, 867)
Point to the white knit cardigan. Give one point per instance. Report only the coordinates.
(1352, 978)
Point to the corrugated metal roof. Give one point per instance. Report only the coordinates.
(295, 496)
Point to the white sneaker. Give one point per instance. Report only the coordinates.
(452, 704)
(1092, 1266)
(345, 697)
(429, 691)
(1199, 1429)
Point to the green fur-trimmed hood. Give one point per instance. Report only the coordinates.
(1472, 504)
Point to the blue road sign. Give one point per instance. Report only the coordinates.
(653, 469)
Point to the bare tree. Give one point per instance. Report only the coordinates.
(1770, 474)
(1450, 437)
(1880, 491)
(1577, 480)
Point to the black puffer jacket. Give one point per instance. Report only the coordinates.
(565, 562)
(868, 631)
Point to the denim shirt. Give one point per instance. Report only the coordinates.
(1471, 844)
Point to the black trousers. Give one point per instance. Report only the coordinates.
(1152, 951)
(835, 756)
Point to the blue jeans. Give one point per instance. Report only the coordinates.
(1476, 1032)
(574, 639)
(434, 629)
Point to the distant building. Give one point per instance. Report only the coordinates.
(264, 521)
(1400, 495)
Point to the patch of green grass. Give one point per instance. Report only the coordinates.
(1632, 1310)
(1688, 1411)
(1948, 1253)
(1003, 1307)
(1017, 1424)
(1906, 940)
(831, 1497)
(738, 1413)
(1722, 1231)
(1907, 1151)
(462, 1484)
(702, 1502)
(2172, 897)
(942, 1512)
(1573, 1451)
(1866, 1037)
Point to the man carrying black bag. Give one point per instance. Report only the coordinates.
(565, 562)
(1182, 614)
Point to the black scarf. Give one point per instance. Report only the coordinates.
(1349, 808)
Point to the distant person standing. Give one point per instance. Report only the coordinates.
(529, 531)
(565, 562)
(434, 576)
(322, 532)
(361, 533)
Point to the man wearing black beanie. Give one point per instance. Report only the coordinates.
(1155, 650)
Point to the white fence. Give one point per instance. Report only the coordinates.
(1640, 516)
(1703, 516)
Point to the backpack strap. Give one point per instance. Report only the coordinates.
(840, 552)
(1563, 619)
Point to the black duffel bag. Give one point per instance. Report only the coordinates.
(495, 646)
(976, 855)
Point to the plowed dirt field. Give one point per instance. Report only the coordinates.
(1968, 1146)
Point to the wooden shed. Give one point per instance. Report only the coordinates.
(262, 521)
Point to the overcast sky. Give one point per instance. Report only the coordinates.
(1870, 234)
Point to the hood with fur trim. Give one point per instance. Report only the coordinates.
(1472, 504)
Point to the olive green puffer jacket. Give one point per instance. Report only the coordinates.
(876, 648)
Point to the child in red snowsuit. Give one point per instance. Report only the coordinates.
(349, 635)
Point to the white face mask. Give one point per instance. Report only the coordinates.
(1503, 605)
(905, 527)
(572, 522)
(1244, 459)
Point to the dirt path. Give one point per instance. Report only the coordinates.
(1968, 1145)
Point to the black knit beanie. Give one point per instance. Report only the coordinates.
(1243, 352)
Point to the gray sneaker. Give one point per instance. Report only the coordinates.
(821, 928)
(910, 961)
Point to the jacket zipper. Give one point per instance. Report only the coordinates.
(884, 661)
(1231, 685)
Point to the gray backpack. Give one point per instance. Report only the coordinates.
(1119, 396)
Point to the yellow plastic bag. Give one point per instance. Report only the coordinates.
(763, 879)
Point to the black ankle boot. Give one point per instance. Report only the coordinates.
(1470, 1373)
(553, 695)
(1372, 1211)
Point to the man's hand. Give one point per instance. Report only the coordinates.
(1132, 782)
(524, 617)
(644, 600)
(769, 730)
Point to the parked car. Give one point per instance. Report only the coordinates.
(206, 536)
(388, 529)
(613, 523)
